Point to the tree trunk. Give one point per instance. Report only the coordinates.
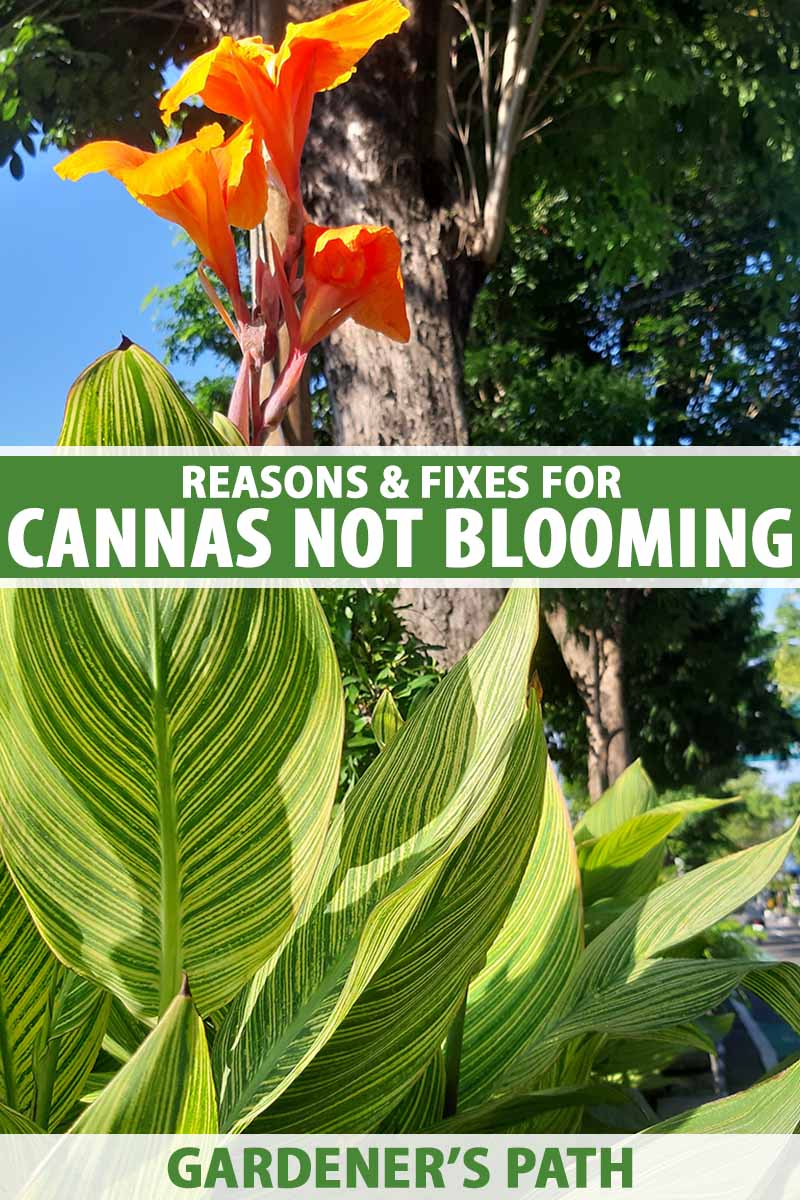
(595, 660)
(372, 157)
(450, 619)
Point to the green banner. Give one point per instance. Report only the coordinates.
(464, 516)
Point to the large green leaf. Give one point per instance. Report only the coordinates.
(402, 1017)
(778, 984)
(67, 1047)
(499, 1116)
(626, 862)
(169, 767)
(165, 1088)
(678, 910)
(629, 796)
(772, 1106)
(14, 1122)
(124, 1032)
(395, 836)
(422, 1105)
(126, 398)
(653, 1051)
(513, 996)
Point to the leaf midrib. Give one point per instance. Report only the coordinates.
(169, 893)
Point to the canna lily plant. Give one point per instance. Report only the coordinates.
(209, 185)
(194, 935)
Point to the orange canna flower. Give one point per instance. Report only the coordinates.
(352, 273)
(275, 89)
(204, 185)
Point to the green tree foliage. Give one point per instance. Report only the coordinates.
(376, 652)
(71, 70)
(699, 686)
(787, 659)
(697, 342)
(760, 812)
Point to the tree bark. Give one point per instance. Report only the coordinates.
(449, 619)
(373, 157)
(595, 660)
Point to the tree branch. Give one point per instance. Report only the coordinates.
(517, 62)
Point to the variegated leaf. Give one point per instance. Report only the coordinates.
(626, 862)
(126, 398)
(528, 965)
(619, 986)
(416, 993)
(629, 796)
(772, 1106)
(166, 1087)
(421, 1106)
(169, 765)
(51, 1022)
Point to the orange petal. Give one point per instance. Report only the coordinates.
(162, 173)
(384, 308)
(354, 273)
(244, 173)
(114, 157)
(341, 39)
(220, 77)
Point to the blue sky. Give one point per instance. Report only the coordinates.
(78, 260)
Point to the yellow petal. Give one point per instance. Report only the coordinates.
(341, 39)
(219, 77)
(163, 173)
(242, 167)
(115, 157)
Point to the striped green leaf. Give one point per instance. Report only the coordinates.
(386, 719)
(772, 1106)
(226, 430)
(422, 1105)
(166, 1087)
(415, 995)
(619, 987)
(626, 862)
(67, 1046)
(14, 1122)
(653, 994)
(51, 1022)
(629, 796)
(510, 1112)
(391, 844)
(169, 768)
(126, 398)
(515, 994)
(678, 910)
(778, 985)
(124, 1032)
(27, 972)
(657, 1049)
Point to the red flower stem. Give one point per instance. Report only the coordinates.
(283, 392)
(241, 398)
